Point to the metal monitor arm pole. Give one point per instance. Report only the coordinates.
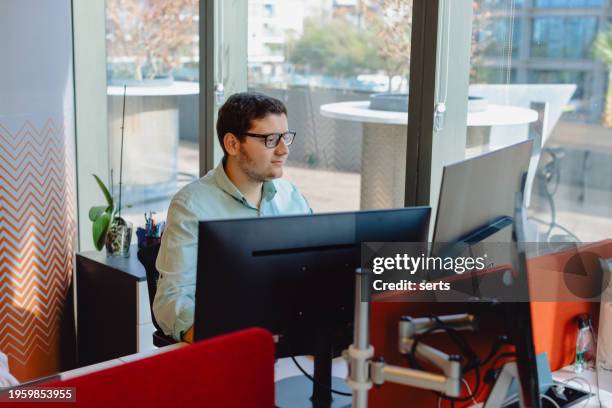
(365, 372)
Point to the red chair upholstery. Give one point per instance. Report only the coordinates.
(235, 370)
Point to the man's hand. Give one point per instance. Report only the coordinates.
(188, 335)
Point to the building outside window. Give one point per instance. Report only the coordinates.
(567, 3)
(550, 39)
(536, 49)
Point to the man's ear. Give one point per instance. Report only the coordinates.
(231, 144)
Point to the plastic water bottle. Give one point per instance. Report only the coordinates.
(585, 344)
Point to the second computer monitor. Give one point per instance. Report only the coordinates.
(479, 191)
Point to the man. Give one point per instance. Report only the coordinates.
(252, 129)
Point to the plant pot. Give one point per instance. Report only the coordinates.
(392, 102)
(395, 102)
(477, 104)
(118, 238)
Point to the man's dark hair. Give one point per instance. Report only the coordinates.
(240, 109)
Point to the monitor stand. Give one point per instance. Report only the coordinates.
(300, 392)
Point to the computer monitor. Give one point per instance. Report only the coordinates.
(481, 200)
(479, 192)
(293, 275)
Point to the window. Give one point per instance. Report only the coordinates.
(550, 37)
(326, 61)
(500, 4)
(153, 50)
(572, 189)
(494, 75)
(579, 105)
(494, 37)
(567, 3)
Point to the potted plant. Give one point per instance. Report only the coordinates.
(109, 228)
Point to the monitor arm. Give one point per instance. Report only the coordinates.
(365, 372)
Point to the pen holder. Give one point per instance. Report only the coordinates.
(118, 238)
(145, 240)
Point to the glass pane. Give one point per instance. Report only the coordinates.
(547, 70)
(152, 49)
(549, 37)
(342, 69)
(567, 3)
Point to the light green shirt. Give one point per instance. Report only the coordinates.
(213, 196)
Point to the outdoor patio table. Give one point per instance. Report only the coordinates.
(384, 144)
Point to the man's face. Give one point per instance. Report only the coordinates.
(254, 158)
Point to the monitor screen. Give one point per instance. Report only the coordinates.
(293, 275)
(480, 191)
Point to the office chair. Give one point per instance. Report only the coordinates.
(147, 256)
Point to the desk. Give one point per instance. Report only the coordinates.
(77, 372)
(384, 144)
(605, 385)
(113, 312)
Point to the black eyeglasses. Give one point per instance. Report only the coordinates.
(273, 139)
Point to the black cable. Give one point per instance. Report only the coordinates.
(501, 340)
(473, 362)
(346, 394)
(288, 342)
(502, 355)
(555, 225)
(549, 177)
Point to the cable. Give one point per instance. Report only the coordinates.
(552, 401)
(509, 46)
(469, 390)
(499, 343)
(597, 384)
(333, 391)
(346, 394)
(575, 379)
(467, 385)
(448, 36)
(472, 364)
(555, 225)
(502, 355)
(516, 398)
(548, 182)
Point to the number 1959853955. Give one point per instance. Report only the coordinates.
(39, 394)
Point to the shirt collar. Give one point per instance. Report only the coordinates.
(225, 184)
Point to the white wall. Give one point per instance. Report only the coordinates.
(37, 180)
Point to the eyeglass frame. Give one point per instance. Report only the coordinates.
(278, 134)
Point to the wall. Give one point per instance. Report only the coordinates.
(37, 198)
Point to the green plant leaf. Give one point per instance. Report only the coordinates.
(99, 229)
(107, 194)
(95, 212)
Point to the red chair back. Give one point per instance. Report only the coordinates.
(235, 370)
